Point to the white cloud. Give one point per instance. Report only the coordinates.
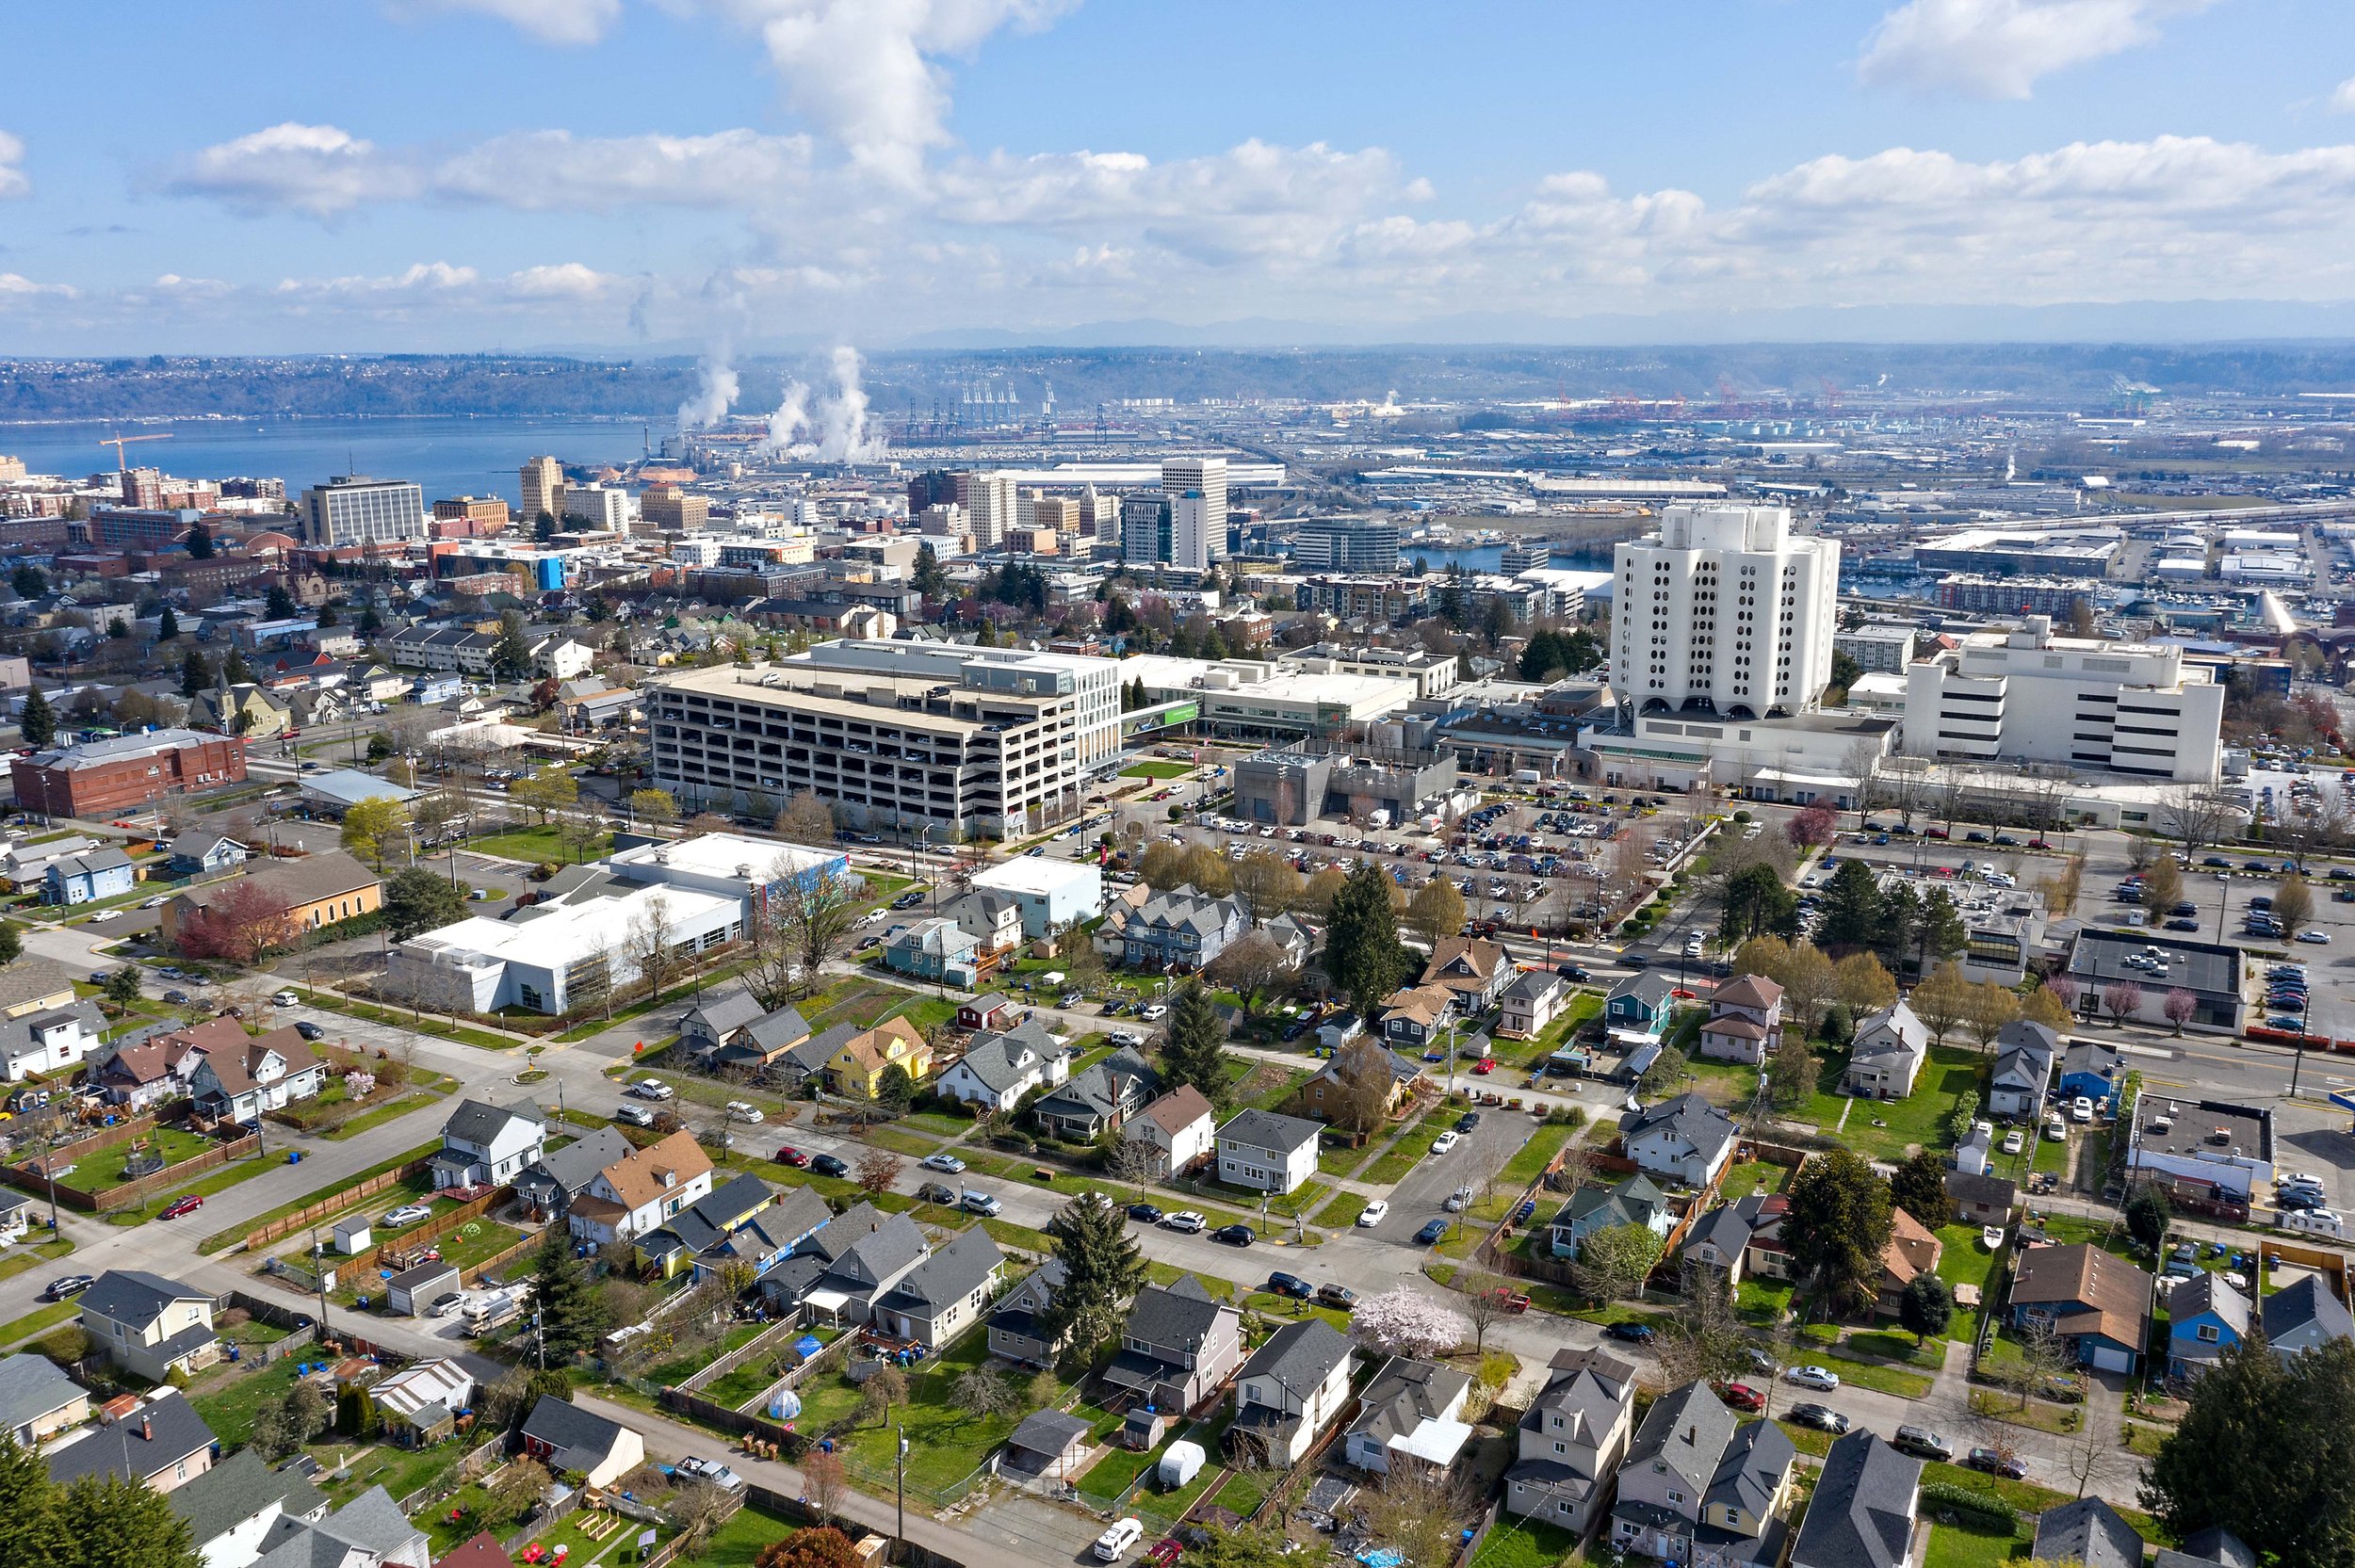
(2342, 101)
(16, 287)
(1998, 48)
(550, 171)
(866, 73)
(13, 181)
(567, 22)
(320, 170)
(563, 280)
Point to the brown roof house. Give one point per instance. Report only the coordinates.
(642, 1190)
(1745, 1021)
(2098, 1303)
(237, 1082)
(1474, 968)
(1180, 1127)
(313, 891)
(1912, 1250)
(1412, 1018)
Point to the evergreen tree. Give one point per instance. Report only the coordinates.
(120, 1524)
(1919, 1188)
(2266, 1452)
(1362, 953)
(931, 578)
(39, 722)
(35, 1535)
(278, 604)
(572, 1315)
(28, 582)
(511, 659)
(2148, 1215)
(1103, 1267)
(1837, 1225)
(200, 542)
(330, 616)
(416, 901)
(233, 670)
(1194, 1050)
(196, 675)
(1758, 904)
(167, 625)
(12, 948)
(1851, 907)
(1900, 922)
(1925, 1306)
(1939, 934)
(370, 623)
(894, 1089)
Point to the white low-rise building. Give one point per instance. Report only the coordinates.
(728, 866)
(556, 955)
(1051, 893)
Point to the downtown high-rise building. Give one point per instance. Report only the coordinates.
(544, 490)
(1195, 489)
(1724, 612)
(1346, 544)
(352, 509)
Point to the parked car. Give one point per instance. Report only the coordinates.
(1337, 1296)
(829, 1165)
(407, 1214)
(1741, 1395)
(1375, 1213)
(1152, 1010)
(1634, 1334)
(636, 1116)
(1122, 1535)
(1144, 1214)
(1466, 1122)
(1185, 1222)
(948, 1162)
(652, 1089)
(1922, 1443)
(1996, 1463)
(1234, 1236)
(1432, 1230)
(932, 1192)
(710, 1470)
(2318, 938)
(1281, 1284)
(442, 1306)
(1445, 1141)
(284, 999)
(177, 997)
(1821, 1379)
(309, 1031)
(977, 1202)
(178, 1206)
(68, 1285)
(792, 1157)
(745, 1112)
(1822, 1417)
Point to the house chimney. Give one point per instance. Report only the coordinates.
(147, 1429)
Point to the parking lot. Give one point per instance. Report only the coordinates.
(1478, 1155)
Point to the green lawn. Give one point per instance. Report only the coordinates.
(32, 1255)
(536, 846)
(1891, 1129)
(1343, 1212)
(735, 1544)
(39, 1320)
(1865, 1374)
(376, 1116)
(1110, 1476)
(1517, 1542)
(1751, 1176)
(400, 1471)
(108, 1166)
(1156, 770)
(946, 1445)
(1964, 1260)
(1973, 1545)
(229, 1396)
(1412, 1148)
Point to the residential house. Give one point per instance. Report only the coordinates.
(1530, 1005)
(1413, 1409)
(148, 1325)
(1181, 930)
(1887, 1053)
(420, 1403)
(16, 1216)
(1634, 1201)
(2087, 1068)
(1719, 1241)
(25, 866)
(1180, 1127)
(1913, 1249)
(2024, 1052)
(1339, 1029)
(1472, 969)
(232, 1507)
(1569, 1442)
(1867, 1498)
(1635, 1010)
(946, 1294)
(37, 1400)
(162, 1444)
(85, 878)
(1322, 1095)
(488, 1145)
(2205, 1315)
(1049, 1442)
(2087, 1533)
(1293, 1386)
(201, 853)
(1178, 1346)
(2304, 1316)
(860, 1256)
(705, 1223)
(770, 1236)
(1101, 1096)
(997, 1070)
(245, 708)
(571, 1441)
(1981, 1199)
(1699, 1487)
(993, 919)
(1015, 1327)
(2208, 1548)
(984, 1015)
(857, 1065)
(933, 949)
(592, 704)
(50, 1041)
(1267, 1152)
(370, 1531)
(730, 1031)
(319, 889)
(1745, 1021)
(1414, 1018)
(237, 1081)
(2096, 1303)
(1769, 1256)
(639, 1191)
(1294, 936)
(548, 1187)
(1685, 1140)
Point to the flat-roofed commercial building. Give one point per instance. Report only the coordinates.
(900, 735)
(1432, 674)
(2028, 696)
(354, 508)
(125, 772)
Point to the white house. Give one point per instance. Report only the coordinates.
(997, 1070)
(1267, 1152)
(486, 1145)
(1887, 1055)
(1286, 1394)
(1687, 1139)
(1533, 1000)
(639, 1191)
(50, 1040)
(148, 1325)
(1412, 1410)
(1179, 1126)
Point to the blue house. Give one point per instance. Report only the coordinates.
(201, 853)
(430, 689)
(93, 874)
(1638, 1006)
(933, 949)
(2088, 1069)
(2204, 1317)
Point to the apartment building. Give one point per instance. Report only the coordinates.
(1347, 544)
(947, 738)
(1196, 490)
(354, 508)
(1725, 612)
(2025, 695)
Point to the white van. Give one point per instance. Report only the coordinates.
(2315, 1222)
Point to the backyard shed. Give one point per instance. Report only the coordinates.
(1049, 1442)
(352, 1235)
(415, 1289)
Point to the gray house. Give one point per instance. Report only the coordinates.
(1413, 1411)
(1686, 1140)
(1181, 929)
(946, 1294)
(1632, 1202)
(1570, 1441)
(2025, 1054)
(2304, 1316)
(2089, 1532)
(37, 1399)
(1015, 1331)
(1866, 1500)
(1700, 1488)
(1179, 1348)
(1887, 1055)
(1105, 1095)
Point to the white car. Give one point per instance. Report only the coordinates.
(1122, 1534)
(284, 999)
(2014, 1142)
(710, 1470)
(1822, 1379)
(950, 1163)
(2081, 1109)
(651, 1088)
(1184, 1221)
(407, 1214)
(1125, 1037)
(2300, 1178)
(156, 902)
(2318, 938)
(636, 1116)
(1152, 1010)
(1445, 1141)
(744, 1111)
(1375, 1213)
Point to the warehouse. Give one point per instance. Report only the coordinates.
(579, 947)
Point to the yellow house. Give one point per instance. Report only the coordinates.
(856, 1066)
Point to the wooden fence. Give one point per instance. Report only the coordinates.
(144, 1188)
(364, 1261)
(270, 1230)
(758, 1345)
(30, 1175)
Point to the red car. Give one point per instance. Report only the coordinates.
(1741, 1395)
(1484, 1066)
(790, 1156)
(179, 1206)
(1165, 1552)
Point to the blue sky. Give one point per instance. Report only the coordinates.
(370, 174)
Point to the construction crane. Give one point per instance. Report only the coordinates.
(119, 442)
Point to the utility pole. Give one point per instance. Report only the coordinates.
(319, 1277)
(900, 1534)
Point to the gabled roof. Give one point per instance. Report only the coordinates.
(2088, 1532)
(950, 1274)
(881, 1254)
(1893, 1029)
(2206, 1293)
(2205, 1549)
(1181, 1109)
(1688, 1117)
(2026, 1033)
(1587, 1388)
(574, 1166)
(1179, 1317)
(1686, 1430)
(1092, 1092)
(1725, 1227)
(2114, 1293)
(2305, 1304)
(31, 1387)
(1633, 1201)
(579, 1437)
(1047, 1431)
(483, 1551)
(238, 1489)
(1530, 984)
(1753, 1470)
(1862, 1515)
(135, 1298)
(1267, 1129)
(1405, 1393)
(1749, 991)
(480, 1123)
(637, 1176)
(1001, 1061)
(149, 1440)
(1300, 1355)
(724, 1012)
(1648, 986)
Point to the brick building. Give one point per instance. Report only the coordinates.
(125, 773)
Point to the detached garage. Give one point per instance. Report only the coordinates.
(412, 1290)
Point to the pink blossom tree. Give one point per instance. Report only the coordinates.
(1407, 1322)
(2123, 999)
(2180, 1008)
(1812, 827)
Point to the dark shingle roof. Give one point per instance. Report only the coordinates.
(1686, 1430)
(2306, 1302)
(476, 1123)
(158, 1434)
(1862, 1515)
(2088, 1532)
(1268, 1129)
(1301, 1355)
(950, 1274)
(1179, 1317)
(1050, 1432)
(236, 1490)
(30, 1387)
(1754, 1465)
(135, 1297)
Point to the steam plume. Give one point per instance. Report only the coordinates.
(836, 430)
(715, 379)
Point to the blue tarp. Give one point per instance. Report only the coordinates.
(808, 1346)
